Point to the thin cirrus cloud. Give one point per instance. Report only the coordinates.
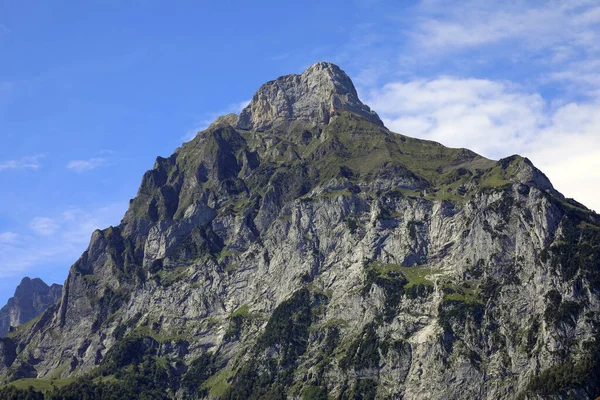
(23, 163)
(7, 237)
(55, 239)
(87, 165)
(44, 226)
(555, 25)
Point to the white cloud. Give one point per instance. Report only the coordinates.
(589, 16)
(582, 76)
(28, 162)
(534, 25)
(489, 117)
(44, 226)
(498, 119)
(8, 237)
(553, 42)
(87, 165)
(58, 239)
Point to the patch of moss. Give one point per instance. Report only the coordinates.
(462, 292)
(396, 281)
(417, 275)
(218, 384)
(23, 328)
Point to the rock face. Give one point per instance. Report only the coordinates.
(32, 297)
(312, 97)
(305, 251)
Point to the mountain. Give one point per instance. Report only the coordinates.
(32, 297)
(301, 250)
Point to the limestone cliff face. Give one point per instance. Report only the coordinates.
(295, 253)
(315, 96)
(32, 297)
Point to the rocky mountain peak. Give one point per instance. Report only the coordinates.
(313, 97)
(31, 298)
(29, 286)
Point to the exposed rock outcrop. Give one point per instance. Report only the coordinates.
(312, 97)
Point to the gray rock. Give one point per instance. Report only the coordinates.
(313, 97)
(31, 298)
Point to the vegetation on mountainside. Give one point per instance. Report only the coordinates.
(226, 161)
(286, 334)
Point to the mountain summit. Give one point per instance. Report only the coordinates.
(304, 251)
(312, 97)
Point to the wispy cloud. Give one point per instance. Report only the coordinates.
(56, 239)
(582, 76)
(44, 226)
(87, 165)
(8, 237)
(536, 38)
(28, 162)
(478, 22)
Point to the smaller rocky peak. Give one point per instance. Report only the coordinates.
(29, 286)
(31, 298)
(312, 97)
(522, 170)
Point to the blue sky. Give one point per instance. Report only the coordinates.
(92, 91)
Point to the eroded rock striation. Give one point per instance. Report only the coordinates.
(304, 251)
